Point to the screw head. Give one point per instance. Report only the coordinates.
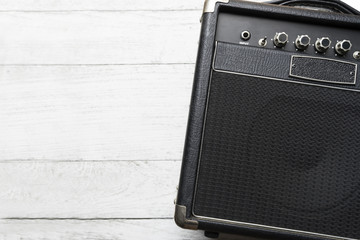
(356, 55)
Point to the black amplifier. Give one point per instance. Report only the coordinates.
(273, 138)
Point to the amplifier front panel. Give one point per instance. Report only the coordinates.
(278, 150)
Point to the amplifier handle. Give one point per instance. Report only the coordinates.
(329, 5)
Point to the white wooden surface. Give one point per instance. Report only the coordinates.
(94, 97)
(97, 112)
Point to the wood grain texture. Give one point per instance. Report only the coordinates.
(96, 230)
(125, 37)
(98, 5)
(102, 230)
(110, 189)
(102, 5)
(94, 112)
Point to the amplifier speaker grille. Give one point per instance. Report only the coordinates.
(281, 154)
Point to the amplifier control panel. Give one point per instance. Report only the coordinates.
(302, 38)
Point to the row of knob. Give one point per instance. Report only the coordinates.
(321, 45)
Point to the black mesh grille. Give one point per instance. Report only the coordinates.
(281, 154)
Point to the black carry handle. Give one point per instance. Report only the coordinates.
(329, 5)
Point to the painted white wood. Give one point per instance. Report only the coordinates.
(102, 230)
(101, 5)
(94, 112)
(353, 3)
(124, 37)
(98, 5)
(162, 229)
(102, 189)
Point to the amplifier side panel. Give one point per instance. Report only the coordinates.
(184, 201)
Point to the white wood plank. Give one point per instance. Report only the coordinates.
(103, 5)
(96, 230)
(94, 112)
(107, 5)
(110, 189)
(100, 230)
(353, 3)
(126, 37)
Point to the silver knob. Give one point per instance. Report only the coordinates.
(280, 39)
(302, 42)
(343, 47)
(322, 44)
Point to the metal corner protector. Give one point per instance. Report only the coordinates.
(182, 221)
(209, 5)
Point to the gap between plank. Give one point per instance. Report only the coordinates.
(80, 160)
(85, 219)
(95, 64)
(100, 10)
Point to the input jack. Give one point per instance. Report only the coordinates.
(245, 35)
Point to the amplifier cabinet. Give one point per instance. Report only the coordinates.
(273, 138)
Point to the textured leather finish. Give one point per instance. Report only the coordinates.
(295, 14)
(252, 60)
(196, 114)
(332, 5)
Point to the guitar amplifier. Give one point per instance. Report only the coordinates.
(273, 139)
